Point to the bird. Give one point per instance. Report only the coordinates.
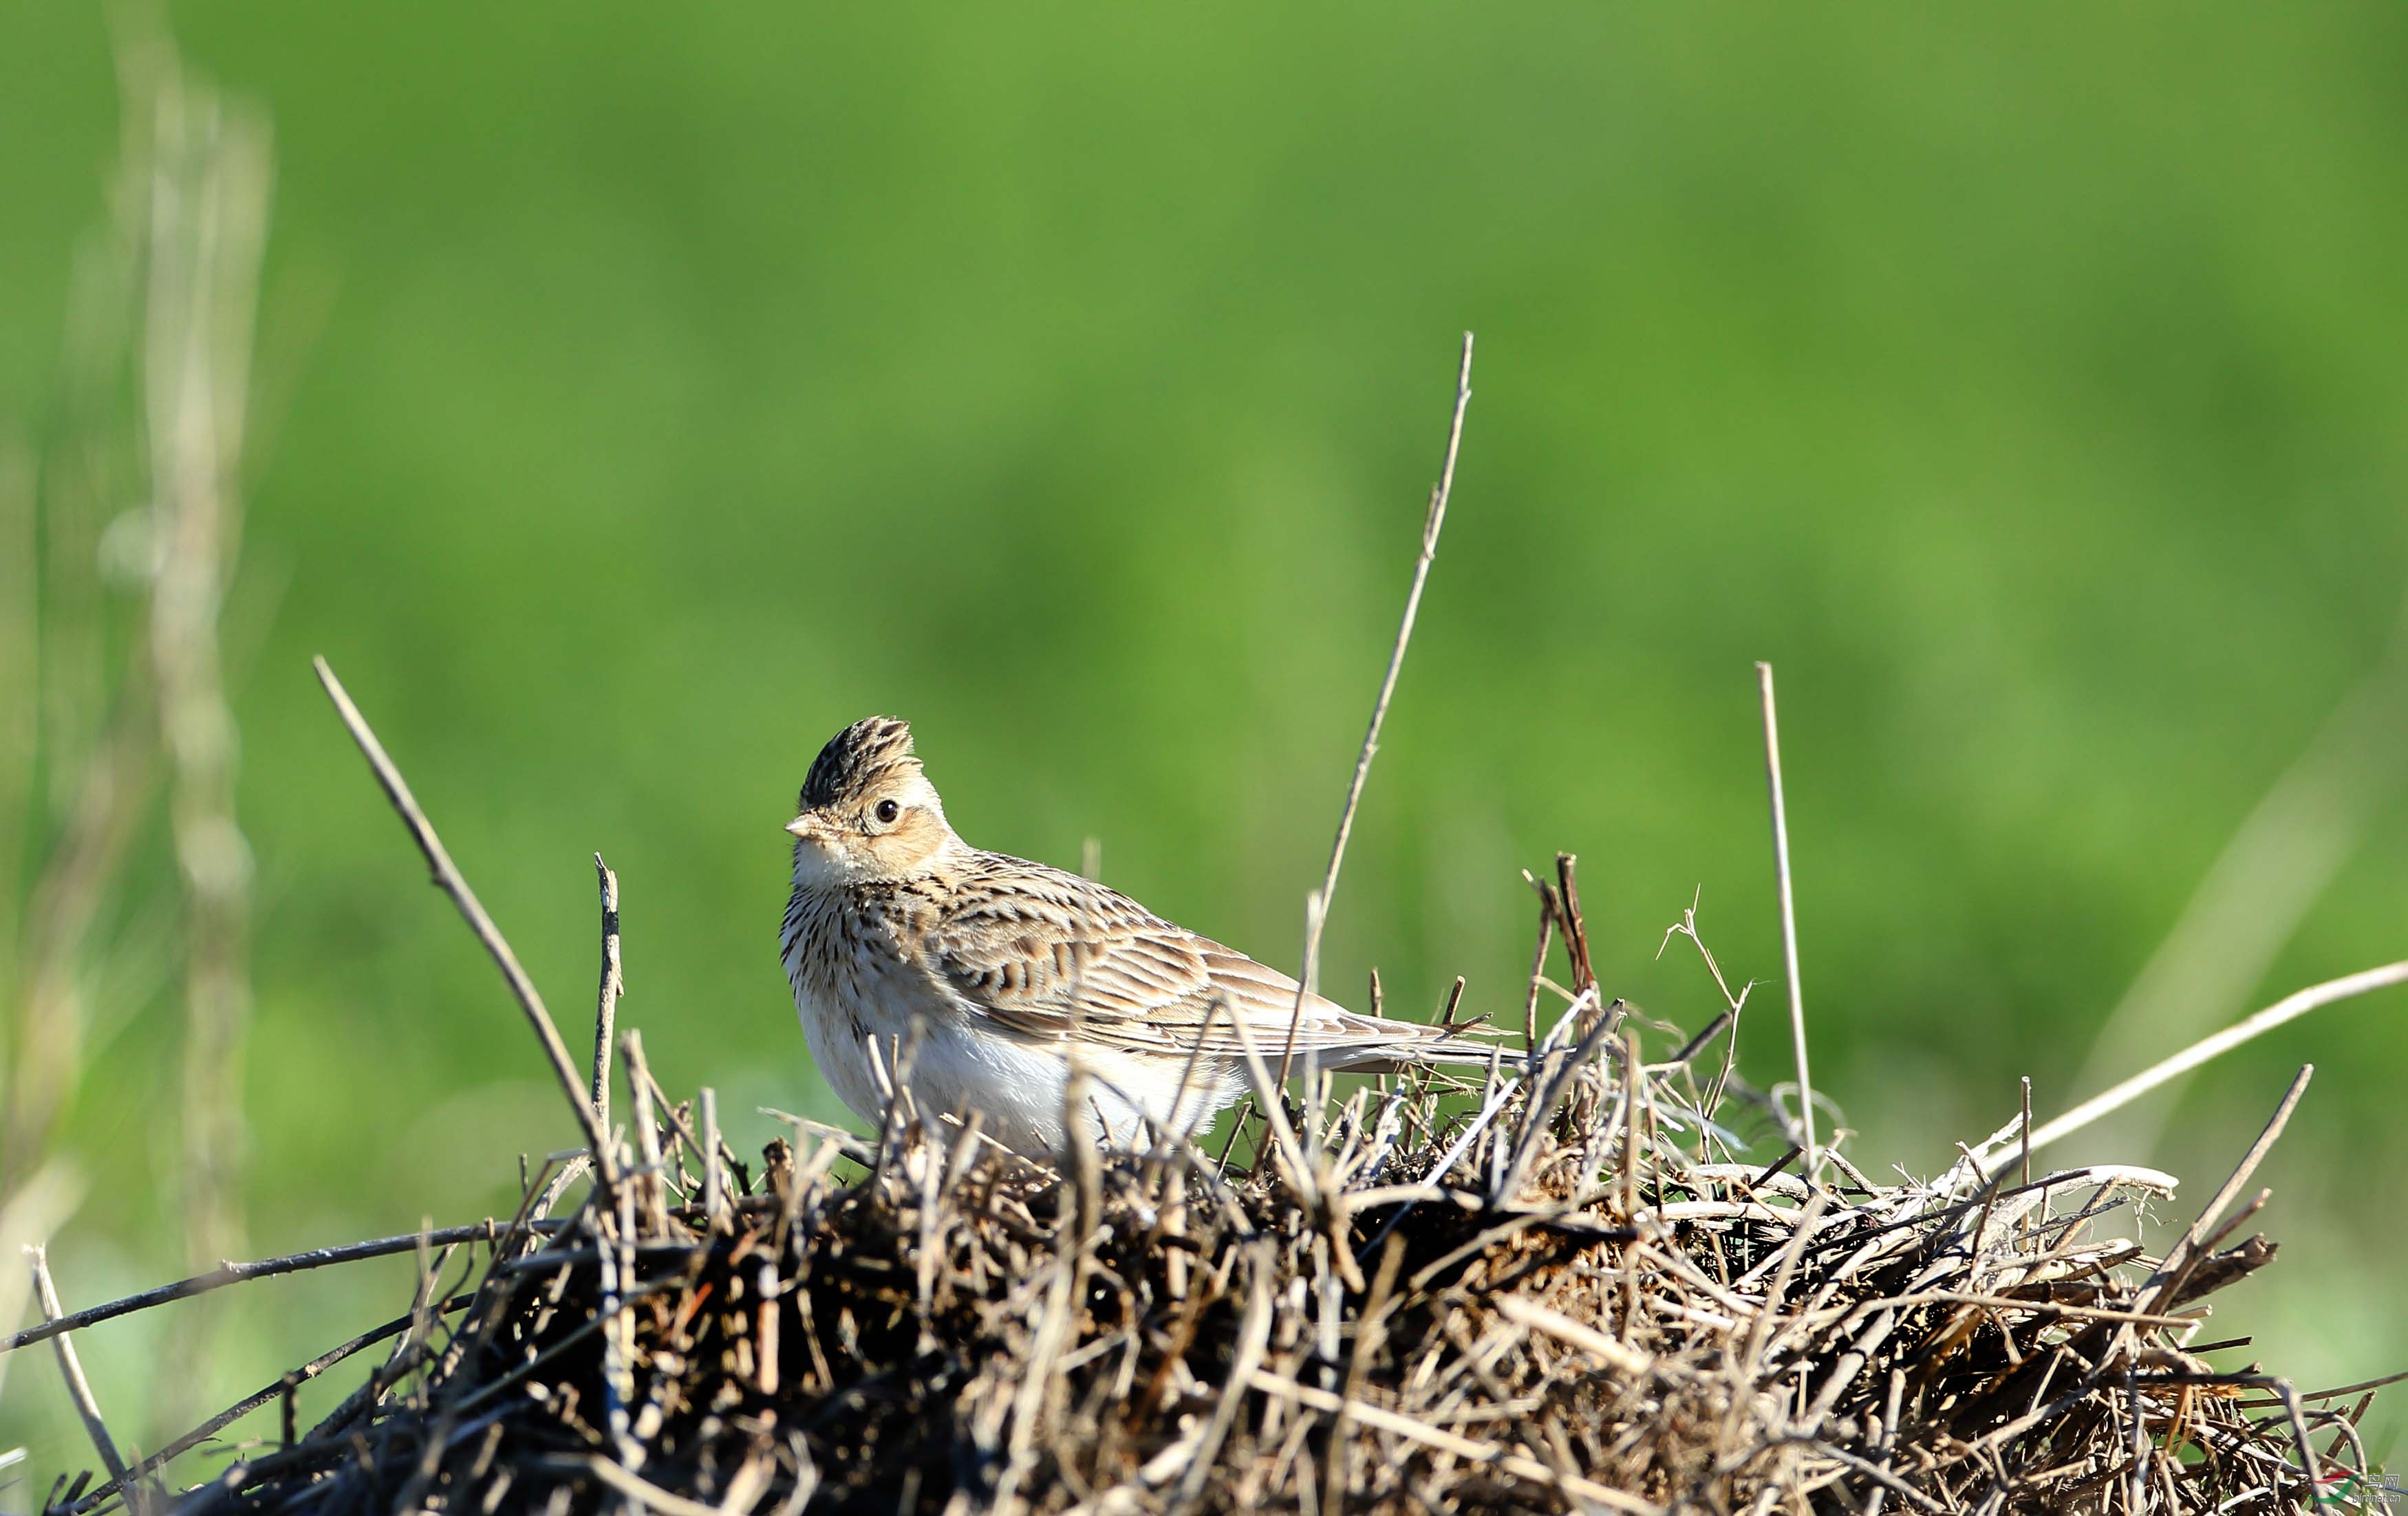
(978, 977)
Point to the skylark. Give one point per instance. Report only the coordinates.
(982, 974)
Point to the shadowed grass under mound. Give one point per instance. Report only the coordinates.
(1560, 1290)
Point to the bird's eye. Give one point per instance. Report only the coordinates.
(887, 812)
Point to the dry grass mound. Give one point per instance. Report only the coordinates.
(1562, 1288)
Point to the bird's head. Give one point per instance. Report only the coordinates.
(868, 813)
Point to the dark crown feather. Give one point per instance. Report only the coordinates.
(856, 758)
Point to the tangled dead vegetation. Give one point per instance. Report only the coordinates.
(1562, 1288)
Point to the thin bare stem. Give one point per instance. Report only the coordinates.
(2291, 1008)
(207, 226)
(606, 1000)
(1282, 1132)
(448, 879)
(714, 1183)
(2178, 1262)
(1788, 924)
(654, 1181)
(217, 1278)
(1431, 524)
(71, 1368)
(2023, 1128)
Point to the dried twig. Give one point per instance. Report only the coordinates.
(449, 879)
(605, 998)
(2291, 1008)
(1432, 521)
(1788, 925)
(71, 1368)
(2185, 1254)
(217, 1278)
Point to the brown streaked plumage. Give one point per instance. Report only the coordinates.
(991, 969)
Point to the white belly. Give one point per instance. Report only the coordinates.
(959, 1065)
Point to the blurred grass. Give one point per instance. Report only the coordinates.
(648, 394)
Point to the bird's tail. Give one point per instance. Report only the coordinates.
(1422, 1047)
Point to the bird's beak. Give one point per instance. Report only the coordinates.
(802, 826)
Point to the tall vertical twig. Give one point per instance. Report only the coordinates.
(2023, 1129)
(209, 215)
(715, 1198)
(71, 1368)
(1537, 963)
(606, 999)
(448, 879)
(1317, 910)
(1788, 924)
(651, 1187)
(206, 229)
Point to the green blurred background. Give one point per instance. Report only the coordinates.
(646, 393)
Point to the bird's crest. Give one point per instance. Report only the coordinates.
(856, 758)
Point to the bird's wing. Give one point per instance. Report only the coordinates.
(1042, 950)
